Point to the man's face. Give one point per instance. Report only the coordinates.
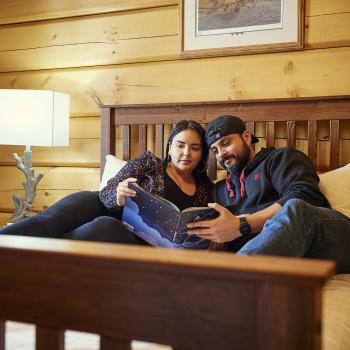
(232, 152)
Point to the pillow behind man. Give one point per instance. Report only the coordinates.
(335, 185)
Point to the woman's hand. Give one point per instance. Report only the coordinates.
(124, 191)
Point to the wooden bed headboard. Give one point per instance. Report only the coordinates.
(290, 111)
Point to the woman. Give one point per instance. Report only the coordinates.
(181, 178)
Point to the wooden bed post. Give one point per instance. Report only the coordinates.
(49, 338)
(107, 135)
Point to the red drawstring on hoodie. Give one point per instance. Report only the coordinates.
(241, 181)
(230, 189)
(228, 186)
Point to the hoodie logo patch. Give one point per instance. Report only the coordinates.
(257, 176)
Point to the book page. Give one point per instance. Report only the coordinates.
(191, 215)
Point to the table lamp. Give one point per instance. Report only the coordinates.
(32, 118)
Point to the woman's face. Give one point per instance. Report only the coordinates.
(185, 150)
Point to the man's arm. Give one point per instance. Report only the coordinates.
(226, 227)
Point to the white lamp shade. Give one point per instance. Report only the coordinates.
(34, 117)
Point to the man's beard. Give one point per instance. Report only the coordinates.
(241, 160)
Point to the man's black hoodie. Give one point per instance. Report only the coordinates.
(272, 176)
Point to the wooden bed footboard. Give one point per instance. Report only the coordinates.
(187, 299)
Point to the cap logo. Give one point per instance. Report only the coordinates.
(218, 135)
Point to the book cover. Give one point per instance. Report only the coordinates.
(160, 223)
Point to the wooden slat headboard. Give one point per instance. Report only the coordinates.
(290, 111)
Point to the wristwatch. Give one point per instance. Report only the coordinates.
(244, 227)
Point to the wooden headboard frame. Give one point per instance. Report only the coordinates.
(270, 111)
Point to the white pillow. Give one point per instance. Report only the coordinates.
(335, 185)
(112, 168)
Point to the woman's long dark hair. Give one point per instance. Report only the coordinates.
(200, 171)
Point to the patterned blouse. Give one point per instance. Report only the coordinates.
(149, 172)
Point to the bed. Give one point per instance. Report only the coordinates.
(189, 300)
(313, 125)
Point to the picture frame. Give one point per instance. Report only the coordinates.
(236, 27)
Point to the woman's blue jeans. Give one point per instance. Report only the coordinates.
(302, 230)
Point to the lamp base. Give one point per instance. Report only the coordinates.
(23, 206)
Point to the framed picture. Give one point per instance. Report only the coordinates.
(234, 27)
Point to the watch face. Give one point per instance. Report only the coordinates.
(244, 227)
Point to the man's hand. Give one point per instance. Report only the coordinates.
(225, 228)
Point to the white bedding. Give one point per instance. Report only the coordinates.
(336, 313)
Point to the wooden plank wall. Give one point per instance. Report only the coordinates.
(127, 52)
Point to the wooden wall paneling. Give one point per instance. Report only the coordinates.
(289, 76)
(22, 11)
(126, 142)
(321, 7)
(135, 36)
(83, 149)
(323, 155)
(4, 219)
(302, 145)
(280, 143)
(57, 183)
(64, 178)
(344, 129)
(151, 132)
(85, 127)
(327, 30)
(134, 148)
(134, 141)
(80, 152)
(132, 36)
(344, 152)
(335, 145)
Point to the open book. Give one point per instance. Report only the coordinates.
(161, 223)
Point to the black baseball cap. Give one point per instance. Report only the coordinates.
(225, 125)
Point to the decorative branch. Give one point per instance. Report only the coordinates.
(24, 206)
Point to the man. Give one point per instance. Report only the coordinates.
(270, 202)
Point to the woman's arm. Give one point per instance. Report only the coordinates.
(137, 168)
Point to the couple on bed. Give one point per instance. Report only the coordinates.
(269, 203)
